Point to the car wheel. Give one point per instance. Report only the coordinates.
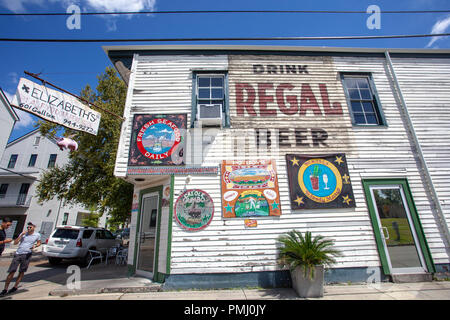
(54, 261)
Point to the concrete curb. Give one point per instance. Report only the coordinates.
(68, 292)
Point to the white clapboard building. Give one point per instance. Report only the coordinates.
(24, 160)
(229, 147)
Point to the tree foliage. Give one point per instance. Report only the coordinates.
(88, 176)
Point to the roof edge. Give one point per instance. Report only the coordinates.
(9, 107)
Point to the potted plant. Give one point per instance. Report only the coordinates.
(306, 257)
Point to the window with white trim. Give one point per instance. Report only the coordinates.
(364, 105)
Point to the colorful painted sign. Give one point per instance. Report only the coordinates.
(317, 182)
(157, 140)
(249, 189)
(194, 210)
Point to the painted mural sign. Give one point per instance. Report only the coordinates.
(291, 101)
(249, 189)
(55, 106)
(157, 140)
(194, 210)
(317, 182)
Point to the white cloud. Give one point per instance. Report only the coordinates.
(122, 5)
(97, 5)
(22, 6)
(439, 27)
(25, 118)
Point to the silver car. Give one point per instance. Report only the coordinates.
(74, 242)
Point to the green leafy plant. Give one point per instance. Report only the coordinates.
(306, 252)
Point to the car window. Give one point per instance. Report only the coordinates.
(66, 234)
(99, 234)
(108, 235)
(87, 234)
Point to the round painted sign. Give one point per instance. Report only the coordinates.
(194, 210)
(158, 138)
(320, 180)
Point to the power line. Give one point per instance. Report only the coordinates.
(228, 39)
(226, 12)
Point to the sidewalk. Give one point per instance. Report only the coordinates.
(110, 282)
(437, 290)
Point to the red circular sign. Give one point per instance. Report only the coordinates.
(158, 138)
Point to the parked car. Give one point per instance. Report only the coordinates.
(74, 242)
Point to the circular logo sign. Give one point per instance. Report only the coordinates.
(158, 138)
(194, 210)
(320, 180)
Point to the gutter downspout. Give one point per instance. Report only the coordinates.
(428, 179)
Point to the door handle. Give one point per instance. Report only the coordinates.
(387, 231)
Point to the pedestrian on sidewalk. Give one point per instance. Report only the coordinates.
(6, 223)
(29, 240)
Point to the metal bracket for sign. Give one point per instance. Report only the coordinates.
(36, 76)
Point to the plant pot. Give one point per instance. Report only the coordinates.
(305, 287)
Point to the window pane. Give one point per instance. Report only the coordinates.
(359, 118)
(203, 82)
(217, 93)
(365, 94)
(356, 106)
(203, 93)
(354, 94)
(217, 82)
(371, 118)
(351, 83)
(368, 107)
(363, 83)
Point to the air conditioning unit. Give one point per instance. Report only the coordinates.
(210, 114)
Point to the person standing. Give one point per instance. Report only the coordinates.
(29, 240)
(6, 223)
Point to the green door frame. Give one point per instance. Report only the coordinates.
(414, 216)
(159, 190)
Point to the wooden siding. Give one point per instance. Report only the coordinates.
(426, 89)
(164, 85)
(160, 85)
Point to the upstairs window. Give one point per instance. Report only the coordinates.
(210, 99)
(3, 190)
(362, 99)
(12, 161)
(32, 161)
(52, 161)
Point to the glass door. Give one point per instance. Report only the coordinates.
(397, 230)
(147, 234)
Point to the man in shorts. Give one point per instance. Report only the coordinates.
(29, 240)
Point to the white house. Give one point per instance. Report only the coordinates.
(229, 147)
(23, 161)
(7, 120)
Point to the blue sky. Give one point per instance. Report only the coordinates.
(73, 65)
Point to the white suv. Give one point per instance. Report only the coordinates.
(73, 242)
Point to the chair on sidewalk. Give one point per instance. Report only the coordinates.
(122, 255)
(112, 252)
(94, 255)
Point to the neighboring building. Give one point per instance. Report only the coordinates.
(7, 120)
(22, 163)
(352, 144)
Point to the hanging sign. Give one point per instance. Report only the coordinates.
(250, 189)
(55, 106)
(194, 210)
(158, 140)
(317, 182)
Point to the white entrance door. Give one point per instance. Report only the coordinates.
(147, 235)
(397, 230)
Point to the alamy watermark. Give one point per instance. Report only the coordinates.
(73, 22)
(374, 20)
